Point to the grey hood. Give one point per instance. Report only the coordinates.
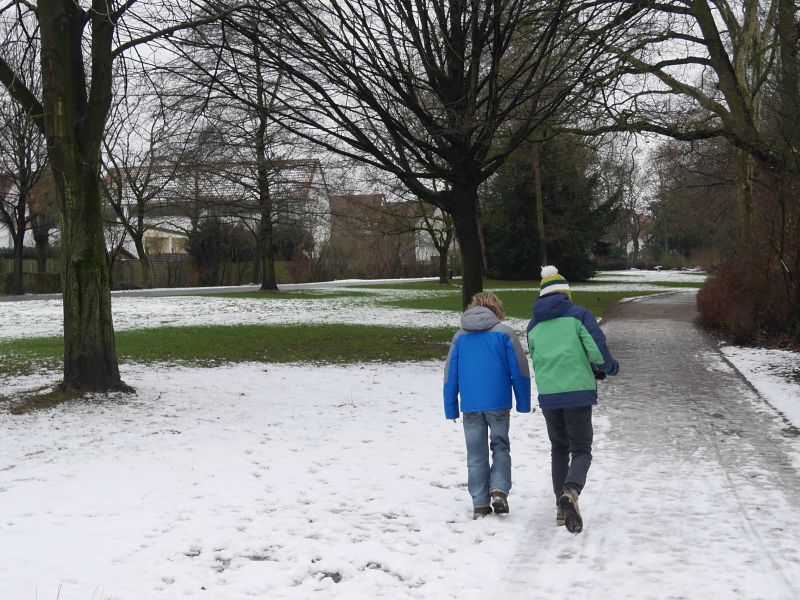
(479, 318)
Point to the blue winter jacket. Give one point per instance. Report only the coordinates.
(484, 363)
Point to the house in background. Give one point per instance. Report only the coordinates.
(179, 199)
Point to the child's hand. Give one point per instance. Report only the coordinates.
(599, 374)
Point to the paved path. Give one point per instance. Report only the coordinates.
(695, 490)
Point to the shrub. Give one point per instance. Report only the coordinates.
(42, 283)
(745, 300)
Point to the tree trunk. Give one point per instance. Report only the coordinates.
(74, 126)
(443, 275)
(267, 246)
(465, 219)
(90, 357)
(18, 289)
(41, 238)
(269, 281)
(537, 173)
(144, 261)
(256, 277)
(745, 170)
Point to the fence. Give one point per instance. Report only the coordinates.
(29, 265)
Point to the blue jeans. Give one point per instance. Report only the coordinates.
(485, 430)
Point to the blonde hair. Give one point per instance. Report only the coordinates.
(490, 301)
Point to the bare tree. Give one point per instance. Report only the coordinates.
(715, 69)
(224, 76)
(23, 157)
(82, 42)
(699, 70)
(426, 90)
(143, 146)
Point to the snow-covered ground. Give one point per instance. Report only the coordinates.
(254, 481)
(345, 482)
(774, 373)
(641, 276)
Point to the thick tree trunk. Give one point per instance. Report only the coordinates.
(90, 358)
(74, 126)
(465, 219)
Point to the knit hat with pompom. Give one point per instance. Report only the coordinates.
(552, 282)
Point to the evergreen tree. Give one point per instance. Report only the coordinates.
(576, 218)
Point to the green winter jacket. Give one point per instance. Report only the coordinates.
(565, 342)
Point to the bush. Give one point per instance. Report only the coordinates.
(42, 283)
(745, 300)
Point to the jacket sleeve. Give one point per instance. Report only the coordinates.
(450, 389)
(520, 374)
(594, 341)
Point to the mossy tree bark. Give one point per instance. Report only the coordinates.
(74, 122)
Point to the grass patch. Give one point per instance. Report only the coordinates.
(209, 346)
(520, 303)
(42, 400)
(16, 360)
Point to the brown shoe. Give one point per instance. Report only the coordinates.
(572, 516)
(561, 517)
(481, 511)
(500, 502)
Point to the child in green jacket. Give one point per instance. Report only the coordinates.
(569, 354)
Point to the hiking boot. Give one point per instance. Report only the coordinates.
(561, 516)
(569, 504)
(500, 502)
(481, 511)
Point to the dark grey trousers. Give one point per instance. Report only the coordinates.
(570, 432)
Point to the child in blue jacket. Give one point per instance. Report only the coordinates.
(484, 364)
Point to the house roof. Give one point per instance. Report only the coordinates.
(225, 186)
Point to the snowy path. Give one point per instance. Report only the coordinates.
(299, 482)
(694, 492)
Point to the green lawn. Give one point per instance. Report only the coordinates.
(455, 284)
(520, 303)
(208, 346)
